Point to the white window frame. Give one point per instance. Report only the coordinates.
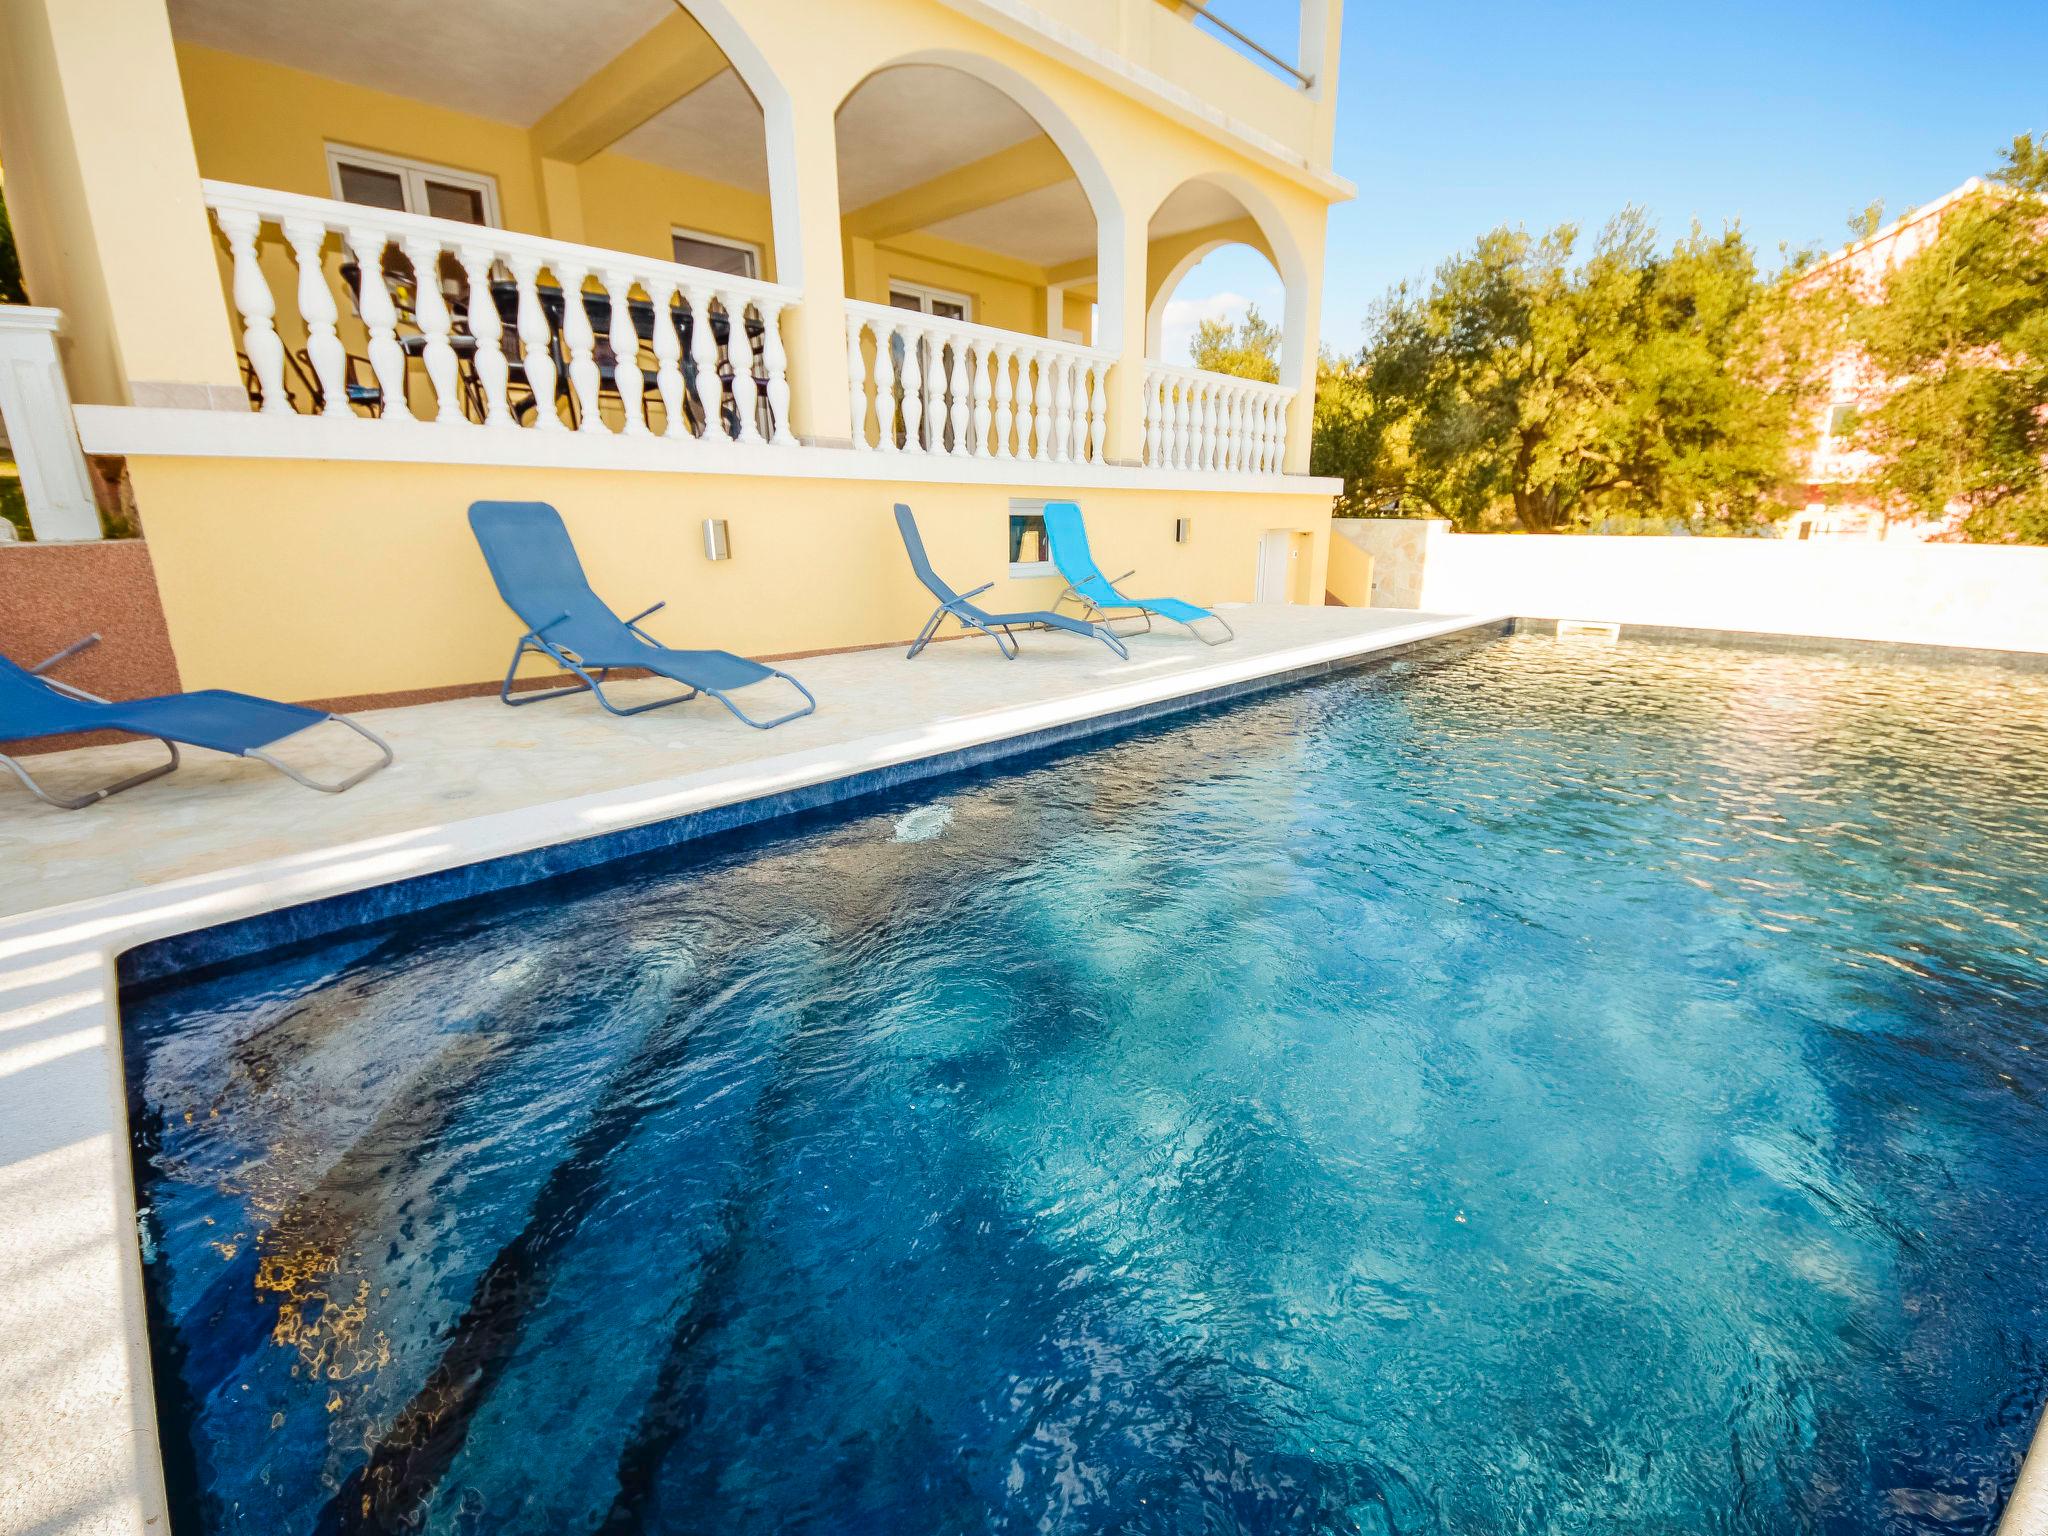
(413, 175)
(1024, 570)
(753, 250)
(927, 295)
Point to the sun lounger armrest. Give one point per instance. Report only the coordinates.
(645, 613)
(1127, 575)
(66, 654)
(540, 629)
(964, 596)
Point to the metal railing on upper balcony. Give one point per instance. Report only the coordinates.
(1199, 420)
(921, 384)
(654, 349)
(1244, 42)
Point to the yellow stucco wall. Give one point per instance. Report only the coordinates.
(301, 580)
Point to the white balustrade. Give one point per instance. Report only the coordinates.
(535, 352)
(920, 384)
(35, 410)
(1214, 422)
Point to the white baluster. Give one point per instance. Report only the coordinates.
(1183, 436)
(856, 383)
(1098, 411)
(668, 355)
(380, 319)
(430, 312)
(1269, 418)
(1035, 404)
(984, 399)
(957, 391)
(317, 309)
(888, 385)
(1062, 409)
(1255, 434)
(580, 341)
(1005, 415)
(253, 301)
(536, 343)
(913, 389)
(488, 329)
(746, 388)
(1209, 434)
(1155, 396)
(701, 363)
(775, 363)
(1240, 403)
(625, 343)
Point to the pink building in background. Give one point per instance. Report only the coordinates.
(1840, 503)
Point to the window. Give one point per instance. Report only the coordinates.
(1840, 419)
(715, 253)
(936, 302)
(1030, 554)
(411, 186)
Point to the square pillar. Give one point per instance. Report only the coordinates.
(103, 192)
(803, 183)
(1121, 259)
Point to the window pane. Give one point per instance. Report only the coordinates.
(1027, 539)
(946, 309)
(373, 188)
(714, 257)
(451, 202)
(901, 300)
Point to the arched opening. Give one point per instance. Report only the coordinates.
(968, 208)
(1224, 303)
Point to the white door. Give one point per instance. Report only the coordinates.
(1276, 566)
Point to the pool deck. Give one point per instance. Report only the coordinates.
(221, 841)
(224, 840)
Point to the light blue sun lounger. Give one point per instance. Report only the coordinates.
(1097, 593)
(537, 572)
(34, 707)
(997, 626)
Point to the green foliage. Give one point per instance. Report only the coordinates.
(1962, 328)
(1533, 385)
(1249, 351)
(1867, 223)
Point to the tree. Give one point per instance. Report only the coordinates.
(1961, 330)
(12, 289)
(1250, 350)
(1532, 382)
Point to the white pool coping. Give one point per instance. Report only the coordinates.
(78, 1446)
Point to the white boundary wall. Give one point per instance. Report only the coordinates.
(1977, 596)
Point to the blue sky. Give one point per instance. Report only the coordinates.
(1458, 116)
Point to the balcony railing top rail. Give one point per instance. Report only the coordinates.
(950, 387)
(1198, 420)
(499, 347)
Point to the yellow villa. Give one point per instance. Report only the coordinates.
(910, 250)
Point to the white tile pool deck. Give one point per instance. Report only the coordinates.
(222, 839)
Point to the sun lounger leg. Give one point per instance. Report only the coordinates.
(383, 761)
(924, 636)
(810, 703)
(92, 797)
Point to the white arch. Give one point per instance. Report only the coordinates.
(1281, 250)
(1088, 168)
(1155, 314)
(778, 121)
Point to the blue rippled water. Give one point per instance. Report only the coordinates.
(1549, 1087)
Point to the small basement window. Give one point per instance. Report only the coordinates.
(1030, 553)
(715, 253)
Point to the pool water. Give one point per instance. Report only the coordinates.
(1549, 1086)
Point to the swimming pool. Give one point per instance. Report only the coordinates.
(1548, 1086)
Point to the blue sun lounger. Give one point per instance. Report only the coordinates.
(1098, 594)
(537, 572)
(33, 707)
(997, 626)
